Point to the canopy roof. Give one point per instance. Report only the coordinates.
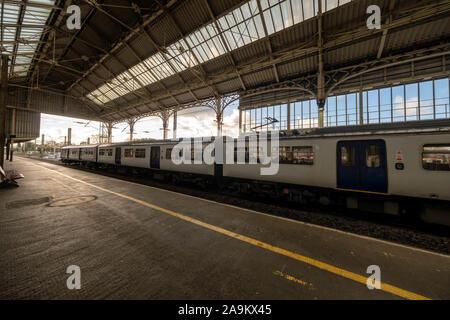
(132, 58)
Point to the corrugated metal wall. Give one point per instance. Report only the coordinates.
(27, 124)
(48, 102)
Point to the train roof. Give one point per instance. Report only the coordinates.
(80, 146)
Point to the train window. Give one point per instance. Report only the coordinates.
(253, 154)
(348, 156)
(109, 152)
(196, 151)
(139, 153)
(303, 155)
(240, 151)
(436, 157)
(285, 155)
(372, 157)
(128, 153)
(101, 152)
(169, 153)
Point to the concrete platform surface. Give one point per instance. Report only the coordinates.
(137, 242)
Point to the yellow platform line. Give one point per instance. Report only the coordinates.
(362, 191)
(313, 262)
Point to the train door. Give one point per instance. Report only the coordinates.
(118, 155)
(362, 165)
(155, 153)
(79, 154)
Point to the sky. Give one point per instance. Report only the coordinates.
(195, 122)
(199, 122)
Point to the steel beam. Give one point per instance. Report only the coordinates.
(3, 96)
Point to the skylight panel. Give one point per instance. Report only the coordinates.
(238, 28)
(10, 14)
(308, 9)
(141, 73)
(35, 16)
(31, 26)
(297, 11)
(117, 87)
(159, 67)
(180, 56)
(9, 34)
(330, 4)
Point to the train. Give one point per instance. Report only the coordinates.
(406, 174)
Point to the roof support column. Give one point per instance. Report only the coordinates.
(361, 108)
(175, 124)
(8, 148)
(219, 105)
(3, 92)
(42, 145)
(13, 134)
(165, 116)
(321, 96)
(219, 116)
(131, 122)
(165, 128)
(109, 127)
(288, 125)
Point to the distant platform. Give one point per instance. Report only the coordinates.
(133, 241)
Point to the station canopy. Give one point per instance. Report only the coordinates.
(132, 58)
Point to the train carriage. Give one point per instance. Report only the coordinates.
(393, 173)
(88, 154)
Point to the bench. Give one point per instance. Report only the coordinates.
(10, 177)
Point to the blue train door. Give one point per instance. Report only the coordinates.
(155, 153)
(118, 155)
(362, 165)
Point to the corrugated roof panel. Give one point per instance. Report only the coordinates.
(197, 13)
(259, 77)
(357, 50)
(297, 68)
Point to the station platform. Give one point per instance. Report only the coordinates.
(133, 241)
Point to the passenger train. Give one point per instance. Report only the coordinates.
(400, 173)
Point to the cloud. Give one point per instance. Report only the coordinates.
(55, 128)
(194, 122)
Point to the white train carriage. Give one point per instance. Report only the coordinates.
(88, 154)
(412, 165)
(190, 165)
(156, 156)
(74, 153)
(298, 163)
(392, 169)
(393, 173)
(106, 154)
(64, 154)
